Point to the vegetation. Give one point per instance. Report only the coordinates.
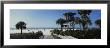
(83, 20)
(98, 22)
(36, 35)
(21, 25)
(80, 34)
(69, 17)
(61, 22)
(69, 21)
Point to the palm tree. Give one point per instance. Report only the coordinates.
(77, 20)
(98, 22)
(69, 16)
(85, 23)
(61, 22)
(85, 18)
(21, 25)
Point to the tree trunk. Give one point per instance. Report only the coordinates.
(83, 26)
(21, 33)
(70, 26)
(73, 26)
(100, 26)
(21, 30)
(61, 28)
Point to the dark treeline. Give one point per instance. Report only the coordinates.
(70, 20)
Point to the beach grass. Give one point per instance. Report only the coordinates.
(25, 35)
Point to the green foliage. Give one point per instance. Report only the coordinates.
(61, 22)
(98, 22)
(36, 35)
(80, 34)
(21, 25)
(69, 15)
(56, 31)
(85, 20)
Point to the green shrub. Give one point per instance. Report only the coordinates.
(80, 34)
(56, 31)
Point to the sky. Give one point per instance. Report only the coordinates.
(35, 18)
